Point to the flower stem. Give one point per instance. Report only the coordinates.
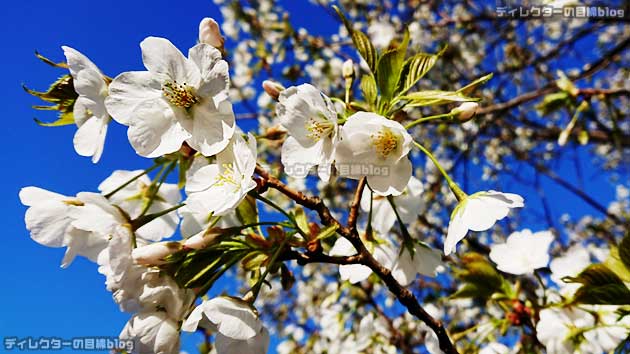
(156, 165)
(256, 288)
(451, 184)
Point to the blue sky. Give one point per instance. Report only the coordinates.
(41, 299)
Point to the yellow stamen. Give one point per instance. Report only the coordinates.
(180, 95)
(385, 142)
(318, 128)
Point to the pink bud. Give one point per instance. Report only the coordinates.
(210, 33)
(465, 111)
(202, 239)
(153, 254)
(272, 88)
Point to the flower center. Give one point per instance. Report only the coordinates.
(318, 128)
(228, 176)
(385, 142)
(180, 95)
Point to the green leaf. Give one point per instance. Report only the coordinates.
(436, 97)
(480, 278)
(361, 42)
(471, 86)
(615, 263)
(247, 211)
(327, 232)
(624, 250)
(471, 290)
(368, 88)
(64, 119)
(389, 68)
(59, 91)
(414, 69)
(300, 219)
(553, 102)
(61, 65)
(600, 285)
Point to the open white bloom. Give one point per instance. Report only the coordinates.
(83, 224)
(238, 326)
(177, 100)
(89, 110)
(153, 332)
(570, 264)
(218, 188)
(357, 272)
(311, 121)
(554, 327)
(374, 146)
(478, 212)
(133, 198)
(408, 204)
(425, 261)
(523, 252)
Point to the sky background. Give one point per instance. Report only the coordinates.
(40, 298)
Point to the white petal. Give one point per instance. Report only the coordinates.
(258, 344)
(203, 179)
(130, 90)
(160, 56)
(234, 319)
(212, 129)
(214, 71)
(155, 131)
(77, 61)
(297, 159)
(90, 138)
(457, 230)
(393, 180)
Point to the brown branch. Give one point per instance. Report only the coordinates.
(402, 294)
(353, 215)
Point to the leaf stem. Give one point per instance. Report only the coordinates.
(452, 185)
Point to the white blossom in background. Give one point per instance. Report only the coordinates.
(574, 260)
(376, 147)
(237, 323)
(495, 348)
(134, 197)
(554, 327)
(83, 223)
(425, 261)
(409, 205)
(479, 212)
(218, 188)
(523, 252)
(89, 111)
(311, 121)
(177, 100)
(381, 33)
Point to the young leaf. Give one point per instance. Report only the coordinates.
(436, 97)
(471, 86)
(368, 87)
(361, 42)
(600, 285)
(247, 211)
(64, 119)
(389, 68)
(414, 69)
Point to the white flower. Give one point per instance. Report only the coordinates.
(355, 273)
(238, 326)
(425, 261)
(153, 333)
(376, 147)
(523, 252)
(133, 197)
(554, 327)
(177, 100)
(82, 224)
(311, 121)
(408, 204)
(571, 264)
(89, 110)
(478, 212)
(495, 348)
(218, 188)
(381, 34)
(210, 33)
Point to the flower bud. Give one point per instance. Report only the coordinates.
(466, 111)
(153, 254)
(348, 69)
(210, 33)
(202, 239)
(272, 88)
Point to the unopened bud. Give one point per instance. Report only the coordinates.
(209, 33)
(348, 69)
(202, 239)
(272, 88)
(466, 111)
(153, 254)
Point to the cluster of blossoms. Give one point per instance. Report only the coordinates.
(179, 112)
